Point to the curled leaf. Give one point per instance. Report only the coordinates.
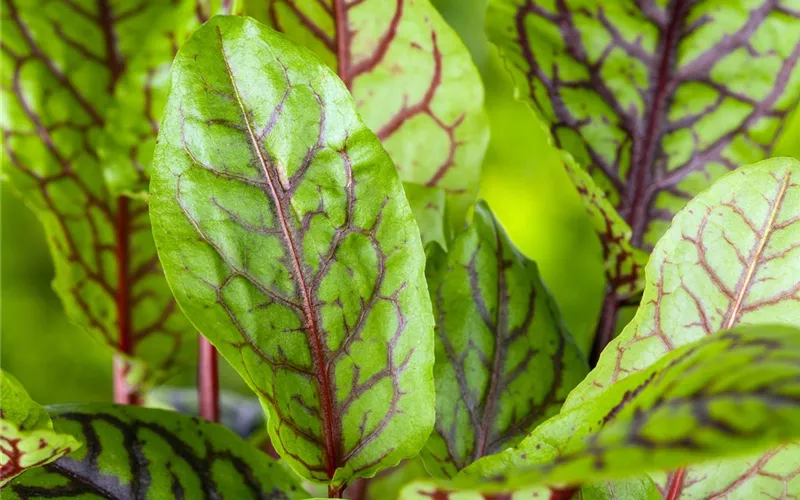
(131, 452)
(27, 438)
(286, 237)
(504, 360)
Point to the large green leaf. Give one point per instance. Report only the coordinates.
(131, 452)
(656, 99)
(413, 80)
(27, 438)
(63, 64)
(287, 239)
(730, 394)
(732, 256)
(504, 360)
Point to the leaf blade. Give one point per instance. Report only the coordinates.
(267, 232)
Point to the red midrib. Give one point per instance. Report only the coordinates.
(329, 417)
(342, 41)
(642, 166)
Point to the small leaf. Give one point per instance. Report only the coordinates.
(656, 99)
(504, 360)
(286, 237)
(27, 438)
(730, 394)
(61, 71)
(131, 452)
(413, 80)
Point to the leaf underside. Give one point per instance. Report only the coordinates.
(27, 438)
(66, 67)
(505, 361)
(131, 452)
(286, 237)
(655, 99)
(413, 80)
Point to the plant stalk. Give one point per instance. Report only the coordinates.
(607, 325)
(207, 380)
(336, 492)
(123, 393)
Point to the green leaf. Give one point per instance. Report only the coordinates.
(656, 99)
(426, 490)
(428, 205)
(286, 237)
(730, 394)
(131, 452)
(640, 488)
(63, 66)
(413, 80)
(27, 438)
(140, 93)
(504, 360)
(729, 258)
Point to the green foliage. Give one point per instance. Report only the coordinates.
(413, 81)
(66, 70)
(294, 250)
(732, 393)
(27, 438)
(504, 360)
(656, 100)
(133, 452)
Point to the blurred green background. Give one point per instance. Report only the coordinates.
(522, 181)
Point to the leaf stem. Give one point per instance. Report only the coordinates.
(207, 380)
(607, 325)
(123, 393)
(336, 492)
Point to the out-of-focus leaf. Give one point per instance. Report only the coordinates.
(63, 64)
(730, 394)
(638, 488)
(286, 237)
(504, 360)
(655, 99)
(131, 452)
(27, 438)
(413, 80)
(429, 207)
(426, 490)
(732, 256)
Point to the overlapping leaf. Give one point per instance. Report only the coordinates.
(27, 438)
(63, 63)
(286, 237)
(412, 78)
(731, 257)
(726, 395)
(131, 452)
(504, 360)
(656, 99)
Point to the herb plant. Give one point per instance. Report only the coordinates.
(300, 186)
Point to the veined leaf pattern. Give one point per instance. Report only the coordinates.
(286, 237)
(729, 394)
(730, 257)
(131, 452)
(656, 98)
(413, 80)
(504, 360)
(62, 65)
(27, 438)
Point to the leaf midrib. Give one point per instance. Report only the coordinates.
(308, 311)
